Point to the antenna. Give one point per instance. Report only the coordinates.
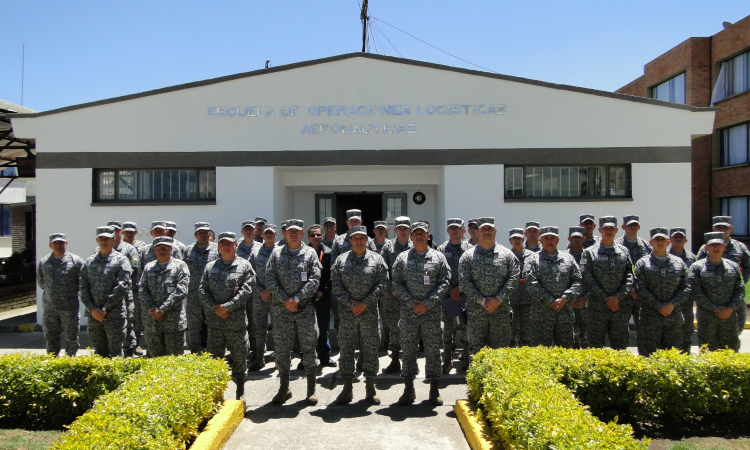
(23, 60)
(363, 16)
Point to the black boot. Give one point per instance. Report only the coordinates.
(240, 387)
(435, 397)
(371, 394)
(395, 364)
(466, 360)
(346, 395)
(447, 361)
(257, 362)
(409, 395)
(312, 399)
(284, 393)
(360, 361)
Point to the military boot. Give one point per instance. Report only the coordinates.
(447, 361)
(466, 359)
(360, 361)
(346, 395)
(284, 393)
(257, 362)
(240, 387)
(371, 394)
(409, 395)
(435, 397)
(395, 364)
(312, 399)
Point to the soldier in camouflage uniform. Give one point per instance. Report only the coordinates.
(453, 249)
(282, 242)
(380, 230)
(392, 312)
(520, 301)
(717, 288)
(677, 240)
(608, 278)
(576, 241)
(341, 245)
(488, 275)
(359, 278)
(57, 275)
(473, 230)
(638, 248)
(244, 250)
(129, 231)
(261, 294)
(199, 254)
(181, 249)
(293, 276)
(553, 280)
(660, 279)
(158, 228)
(421, 280)
(329, 231)
(532, 237)
(163, 288)
(226, 285)
(323, 296)
(260, 224)
(105, 285)
(588, 223)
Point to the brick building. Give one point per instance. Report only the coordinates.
(711, 71)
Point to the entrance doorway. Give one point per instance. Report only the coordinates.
(374, 206)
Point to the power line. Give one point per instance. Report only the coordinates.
(382, 47)
(377, 28)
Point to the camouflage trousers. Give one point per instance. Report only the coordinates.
(391, 318)
(603, 323)
(261, 309)
(579, 328)
(451, 327)
(220, 340)
(137, 318)
(520, 331)
(161, 343)
(285, 324)
(688, 313)
(130, 341)
(57, 322)
(741, 319)
(107, 337)
(717, 333)
(488, 330)
(656, 333)
(549, 332)
(429, 328)
(250, 327)
(196, 322)
(359, 331)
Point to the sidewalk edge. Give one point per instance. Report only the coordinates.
(221, 426)
(477, 431)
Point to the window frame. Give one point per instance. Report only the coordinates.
(722, 139)
(729, 213)
(9, 208)
(652, 89)
(96, 201)
(628, 196)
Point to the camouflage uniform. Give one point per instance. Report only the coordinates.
(228, 283)
(141, 247)
(637, 249)
(134, 256)
(244, 251)
(197, 258)
(535, 249)
(392, 311)
(374, 246)
(181, 250)
(687, 308)
(284, 279)
(261, 308)
(149, 255)
(520, 303)
(359, 279)
(453, 253)
(581, 314)
(549, 277)
(165, 286)
(58, 277)
(408, 282)
(485, 273)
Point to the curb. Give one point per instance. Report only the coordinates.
(477, 431)
(221, 426)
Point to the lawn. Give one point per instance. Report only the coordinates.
(704, 443)
(27, 440)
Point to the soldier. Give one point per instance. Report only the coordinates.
(677, 240)
(716, 287)
(455, 301)
(293, 276)
(392, 313)
(380, 230)
(129, 231)
(163, 288)
(261, 295)
(576, 240)
(473, 230)
(244, 250)
(57, 275)
(131, 338)
(587, 221)
(226, 285)
(553, 280)
(211, 236)
(158, 228)
(660, 279)
(329, 229)
(260, 224)
(608, 279)
(359, 278)
(488, 275)
(532, 237)
(105, 285)
(520, 302)
(421, 279)
(638, 248)
(199, 254)
(323, 296)
(341, 244)
(282, 242)
(181, 249)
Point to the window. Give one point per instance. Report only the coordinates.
(567, 182)
(5, 218)
(325, 207)
(734, 77)
(672, 90)
(737, 207)
(157, 186)
(734, 145)
(9, 172)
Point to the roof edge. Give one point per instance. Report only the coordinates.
(345, 56)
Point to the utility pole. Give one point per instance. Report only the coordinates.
(363, 16)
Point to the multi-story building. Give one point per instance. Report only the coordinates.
(711, 71)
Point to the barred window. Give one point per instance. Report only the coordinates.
(567, 182)
(155, 185)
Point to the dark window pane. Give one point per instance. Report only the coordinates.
(106, 185)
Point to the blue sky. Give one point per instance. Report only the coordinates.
(78, 52)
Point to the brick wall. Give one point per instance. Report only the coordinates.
(18, 226)
(19, 296)
(700, 155)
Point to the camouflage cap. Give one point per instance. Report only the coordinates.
(402, 221)
(269, 227)
(115, 224)
(677, 230)
(714, 237)
(105, 232)
(158, 224)
(248, 223)
(202, 226)
(473, 221)
(359, 229)
(659, 232)
(515, 232)
(420, 226)
(260, 220)
(627, 220)
(170, 225)
(455, 222)
(353, 214)
(295, 224)
(163, 240)
(489, 221)
(575, 231)
(54, 237)
(283, 224)
(226, 236)
(129, 226)
(549, 230)
(584, 217)
(381, 223)
(607, 221)
(532, 224)
(721, 220)
(329, 219)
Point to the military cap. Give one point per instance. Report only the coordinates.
(163, 240)
(261, 220)
(54, 237)
(402, 221)
(353, 214)
(659, 231)
(455, 222)
(549, 230)
(202, 226)
(722, 220)
(248, 223)
(380, 223)
(532, 224)
(607, 221)
(269, 227)
(420, 226)
(283, 224)
(170, 225)
(627, 220)
(129, 226)
(359, 229)
(105, 232)
(516, 232)
(677, 230)
(329, 219)
(158, 224)
(575, 232)
(584, 217)
(115, 224)
(714, 237)
(226, 236)
(473, 221)
(482, 221)
(295, 224)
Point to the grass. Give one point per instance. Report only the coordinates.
(27, 440)
(747, 293)
(711, 444)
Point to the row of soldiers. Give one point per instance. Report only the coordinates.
(477, 284)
